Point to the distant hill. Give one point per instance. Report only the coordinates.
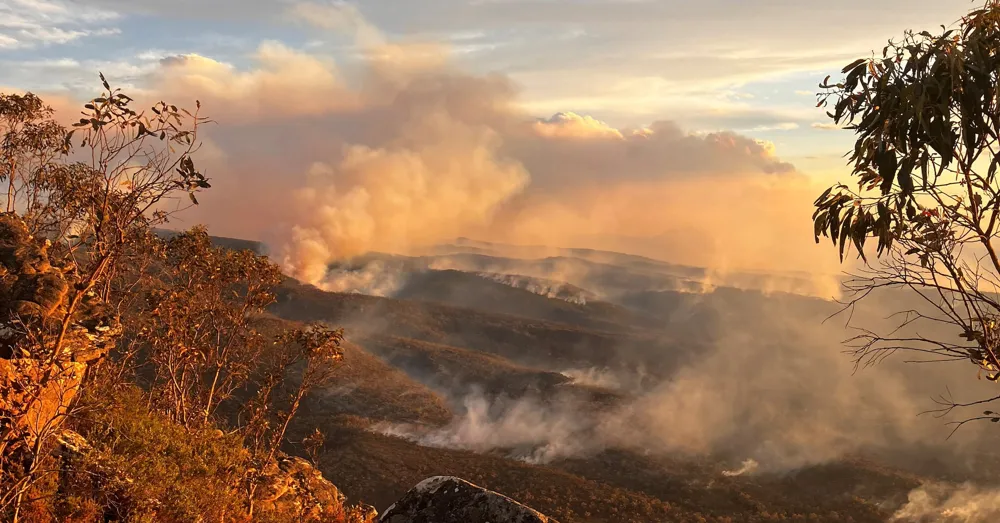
(235, 244)
(450, 330)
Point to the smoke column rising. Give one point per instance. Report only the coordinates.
(326, 161)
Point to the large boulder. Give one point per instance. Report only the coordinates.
(444, 499)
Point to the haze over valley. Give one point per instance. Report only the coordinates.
(572, 246)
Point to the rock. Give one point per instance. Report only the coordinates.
(362, 514)
(293, 487)
(444, 499)
(39, 410)
(36, 386)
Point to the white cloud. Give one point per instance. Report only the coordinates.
(32, 23)
(782, 126)
(826, 126)
(338, 16)
(77, 76)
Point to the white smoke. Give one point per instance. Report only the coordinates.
(595, 377)
(437, 177)
(525, 428)
(543, 287)
(748, 467)
(375, 278)
(774, 388)
(946, 503)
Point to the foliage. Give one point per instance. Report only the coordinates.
(314, 350)
(927, 121)
(142, 466)
(197, 323)
(82, 268)
(31, 141)
(89, 208)
(152, 469)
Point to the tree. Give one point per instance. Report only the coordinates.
(198, 324)
(926, 115)
(31, 141)
(314, 352)
(73, 215)
(87, 283)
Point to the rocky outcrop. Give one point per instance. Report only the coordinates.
(35, 298)
(36, 385)
(296, 490)
(35, 409)
(293, 486)
(444, 499)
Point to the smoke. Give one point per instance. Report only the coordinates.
(396, 148)
(944, 503)
(526, 428)
(748, 467)
(375, 278)
(544, 287)
(772, 386)
(595, 377)
(428, 183)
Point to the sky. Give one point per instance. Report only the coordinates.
(751, 66)
(686, 131)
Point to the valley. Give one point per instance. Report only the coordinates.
(557, 402)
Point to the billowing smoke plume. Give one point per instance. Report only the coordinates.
(375, 279)
(326, 160)
(942, 503)
(436, 179)
(772, 385)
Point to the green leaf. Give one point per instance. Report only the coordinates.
(853, 65)
(886, 161)
(823, 196)
(905, 177)
(845, 230)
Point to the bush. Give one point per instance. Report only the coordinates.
(141, 466)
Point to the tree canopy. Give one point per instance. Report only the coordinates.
(926, 116)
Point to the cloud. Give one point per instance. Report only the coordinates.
(783, 126)
(31, 23)
(284, 84)
(826, 126)
(746, 40)
(77, 78)
(624, 63)
(571, 125)
(406, 148)
(338, 16)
